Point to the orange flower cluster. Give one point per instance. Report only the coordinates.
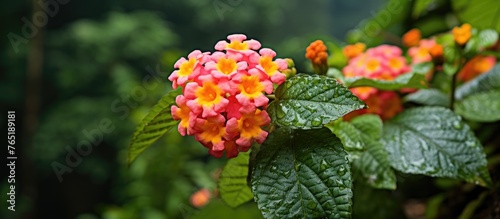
(351, 51)
(412, 38)
(200, 198)
(462, 34)
(475, 67)
(316, 52)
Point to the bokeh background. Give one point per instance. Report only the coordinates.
(107, 61)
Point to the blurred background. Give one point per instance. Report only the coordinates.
(82, 74)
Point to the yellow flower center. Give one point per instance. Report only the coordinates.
(187, 67)
(250, 125)
(395, 63)
(269, 66)
(372, 65)
(250, 86)
(226, 66)
(183, 113)
(236, 45)
(208, 94)
(212, 132)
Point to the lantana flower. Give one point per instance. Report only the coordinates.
(383, 62)
(224, 94)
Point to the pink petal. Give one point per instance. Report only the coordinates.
(189, 91)
(194, 54)
(261, 100)
(217, 55)
(232, 125)
(242, 65)
(268, 86)
(208, 111)
(221, 45)
(267, 52)
(244, 142)
(278, 78)
(237, 37)
(179, 62)
(261, 137)
(219, 146)
(282, 64)
(181, 130)
(253, 44)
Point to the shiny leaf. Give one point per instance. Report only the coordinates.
(481, 107)
(434, 141)
(309, 102)
(302, 174)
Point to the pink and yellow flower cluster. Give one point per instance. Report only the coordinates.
(383, 62)
(223, 102)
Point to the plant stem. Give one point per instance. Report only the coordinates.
(271, 96)
(452, 93)
(454, 83)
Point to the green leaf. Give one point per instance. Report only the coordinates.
(372, 164)
(450, 54)
(309, 102)
(480, 14)
(481, 107)
(157, 122)
(336, 57)
(233, 185)
(350, 132)
(485, 82)
(420, 7)
(487, 38)
(445, 40)
(430, 97)
(450, 68)
(302, 174)
(434, 141)
(412, 79)
(472, 45)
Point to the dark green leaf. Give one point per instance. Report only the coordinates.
(308, 102)
(156, 123)
(434, 141)
(302, 174)
(480, 14)
(481, 107)
(430, 97)
(487, 38)
(413, 79)
(374, 165)
(484, 82)
(233, 185)
(364, 133)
